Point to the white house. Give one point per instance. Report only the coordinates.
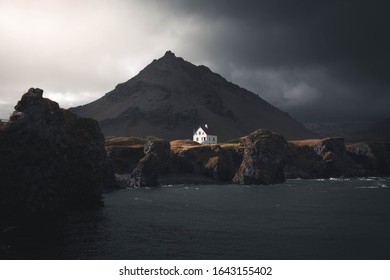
(204, 135)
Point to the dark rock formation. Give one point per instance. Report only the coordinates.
(146, 172)
(51, 160)
(330, 157)
(263, 160)
(211, 161)
(125, 153)
(171, 96)
(124, 158)
(303, 162)
(154, 163)
(263, 157)
(221, 167)
(162, 150)
(374, 157)
(338, 163)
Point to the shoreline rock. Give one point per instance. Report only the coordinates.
(52, 161)
(262, 157)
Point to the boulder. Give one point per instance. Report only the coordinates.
(51, 160)
(264, 155)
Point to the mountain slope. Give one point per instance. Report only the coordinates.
(171, 96)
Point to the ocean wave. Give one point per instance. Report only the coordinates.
(339, 179)
(371, 179)
(379, 186)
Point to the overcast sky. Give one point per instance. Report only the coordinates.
(317, 60)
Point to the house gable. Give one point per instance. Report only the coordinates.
(203, 135)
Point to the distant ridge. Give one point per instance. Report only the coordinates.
(171, 96)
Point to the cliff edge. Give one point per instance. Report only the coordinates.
(52, 161)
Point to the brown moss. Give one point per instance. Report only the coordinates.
(306, 142)
(228, 145)
(185, 142)
(125, 141)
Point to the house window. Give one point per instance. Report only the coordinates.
(214, 139)
(199, 133)
(197, 139)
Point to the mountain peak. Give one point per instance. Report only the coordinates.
(169, 54)
(169, 57)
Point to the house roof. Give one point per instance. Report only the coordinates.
(207, 130)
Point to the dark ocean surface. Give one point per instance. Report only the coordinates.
(301, 219)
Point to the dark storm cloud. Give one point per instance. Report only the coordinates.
(344, 43)
(280, 33)
(317, 60)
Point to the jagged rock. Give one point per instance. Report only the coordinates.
(146, 173)
(212, 161)
(303, 162)
(154, 163)
(162, 149)
(124, 159)
(191, 159)
(337, 162)
(263, 160)
(221, 167)
(373, 157)
(51, 160)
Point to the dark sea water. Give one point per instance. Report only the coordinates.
(301, 219)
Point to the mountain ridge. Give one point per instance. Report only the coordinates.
(171, 96)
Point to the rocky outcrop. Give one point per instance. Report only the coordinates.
(124, 158)
(263, 157)
(263, 160)
(146, 172)
(154, 163)
(374, 157)
(221, 167)
(51, 160)
(338, 163)
(211, 161)
(330, 157)
(303, 162)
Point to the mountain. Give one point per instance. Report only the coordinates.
(171, 97)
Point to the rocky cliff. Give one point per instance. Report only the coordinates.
(51, 161)
(257, 159)
(263, 157)
(331, 157)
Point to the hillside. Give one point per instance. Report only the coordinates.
(171, 96)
